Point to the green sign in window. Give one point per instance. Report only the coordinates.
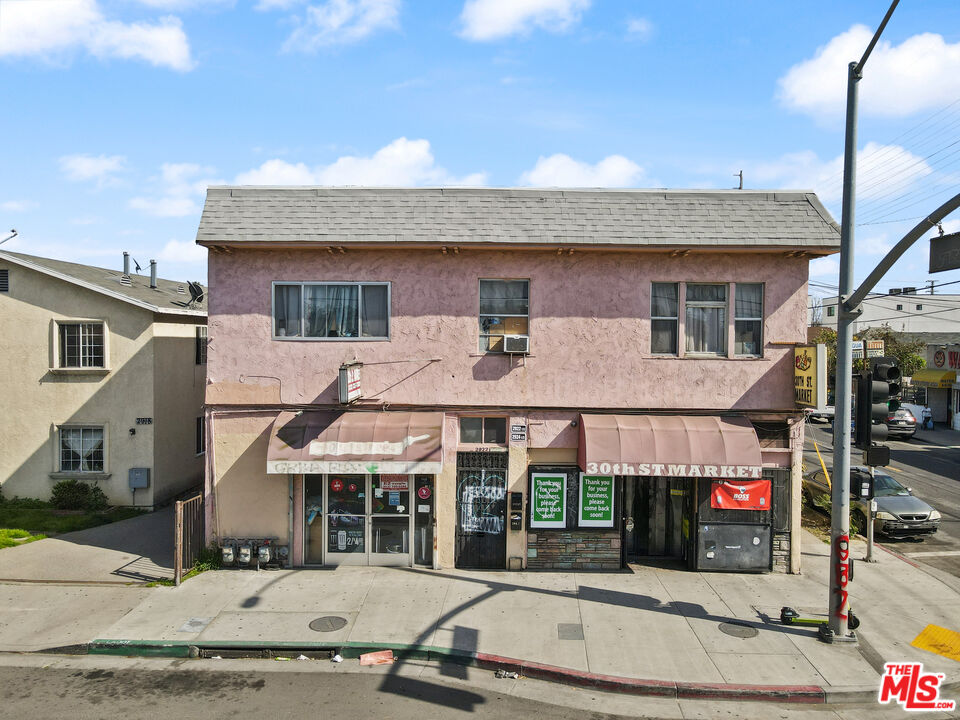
(548, 500)
(596, 501)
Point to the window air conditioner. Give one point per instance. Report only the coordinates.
(518, 344)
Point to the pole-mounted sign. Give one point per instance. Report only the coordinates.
(945, 253)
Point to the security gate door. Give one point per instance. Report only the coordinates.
(481, 510)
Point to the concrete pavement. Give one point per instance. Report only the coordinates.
(659, 625)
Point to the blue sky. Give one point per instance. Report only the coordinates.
(118, 113)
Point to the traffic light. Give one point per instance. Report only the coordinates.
(878, 395)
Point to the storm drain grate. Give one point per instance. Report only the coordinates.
(328, 623)
(740, 630)
(569, 631)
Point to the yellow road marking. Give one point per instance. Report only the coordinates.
(940, 641)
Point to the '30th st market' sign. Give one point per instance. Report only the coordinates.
(810, 376)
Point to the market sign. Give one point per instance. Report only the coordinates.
(596, 501)
(349, 382)
(945, 253)
(874, 348)
(548, 500)
(394, 482)
(749, 495)
(810, 376)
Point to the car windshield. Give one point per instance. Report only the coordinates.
(886, 486)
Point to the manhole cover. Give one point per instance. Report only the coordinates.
(740, 630)
(328, 623)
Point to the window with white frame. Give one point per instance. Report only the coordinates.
(504, 310)
(831, 311)
(201, 444)
(664, 318)
(331, 310)
(705, 320)
(81, 449)
(748, 319)
(81, 345)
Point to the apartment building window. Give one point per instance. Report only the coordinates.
(919, 307)
(201, 442)
(81, 449)
(899, 307)
(664, 318)
(831, 311)
(81, 345)
(748, 322)
(483, 430)
(357, 311)
(504, 310)
(705, 322)
(4, 280)
(201, 349)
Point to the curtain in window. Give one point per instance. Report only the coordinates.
(748, 328)
(664, 300)
(506, 297)
(706, 329)
(374, 322)
(338, 305)
(286, 308)
(749, 300)
(81, 449)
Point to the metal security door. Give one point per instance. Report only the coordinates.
(481, 510)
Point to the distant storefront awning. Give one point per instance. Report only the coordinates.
(669, 446)
(356, 442)
(933, 378)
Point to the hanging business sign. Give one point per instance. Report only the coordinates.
(742, 495)
(874, 348)
(810, 376)
(548, 500)
(945, 252)
(596, 501)
(349, 382)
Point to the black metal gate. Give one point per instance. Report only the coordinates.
(481, 510)
(188, 535)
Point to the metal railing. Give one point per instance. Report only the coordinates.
(188, 535)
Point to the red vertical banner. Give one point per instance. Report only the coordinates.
(740, 495)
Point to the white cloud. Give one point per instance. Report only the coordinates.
(563, 171)
(898, 80)
(182, 251)
(180, 187)
(338, 22)
(639, 28)
(17, 205)
(402, 163)
(882, 170)
(495, 19)
(184, 4)
(53, 28)
(824, 266)
(102, 169)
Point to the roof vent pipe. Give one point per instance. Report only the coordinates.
(153, 273)
(126, 263)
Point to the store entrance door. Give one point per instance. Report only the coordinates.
(654, 511)
(481, 510)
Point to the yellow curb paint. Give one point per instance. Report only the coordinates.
(939, 640)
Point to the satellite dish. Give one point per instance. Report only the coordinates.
(196, 292)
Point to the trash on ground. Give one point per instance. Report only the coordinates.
(281, 658)
(337, 658)
(216, 657)
(381, 657)
(302, 657)
(501, 673)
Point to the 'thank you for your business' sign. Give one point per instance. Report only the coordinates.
(548, 500)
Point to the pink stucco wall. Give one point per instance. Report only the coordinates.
(589, 327)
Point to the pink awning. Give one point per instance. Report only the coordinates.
(356, 442)
(669, 446)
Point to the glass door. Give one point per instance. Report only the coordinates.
(390, 517)
(346, 519)
(313, 519)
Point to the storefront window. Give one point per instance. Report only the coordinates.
(345, 534)
(390, 534)
(391, 495)
(345, 495)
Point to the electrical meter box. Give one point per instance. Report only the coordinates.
(139, 478)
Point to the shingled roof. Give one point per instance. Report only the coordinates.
(487, 217)
(168, 297)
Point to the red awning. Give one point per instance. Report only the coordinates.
(669, 446)
(356, 442)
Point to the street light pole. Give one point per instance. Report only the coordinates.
(836, 630)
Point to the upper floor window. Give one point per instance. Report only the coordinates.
(331, 310)
(504, 310)
(81, 345)
(4, 280)
(201, 436)
(706, 319)
(81, 449)
(899, 307)
(748, 323)
(831, 311)
(664, 318)
(919, 307)
(483, 430)
(201, 348)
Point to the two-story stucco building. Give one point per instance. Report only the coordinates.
(103, 374)
(508, 378)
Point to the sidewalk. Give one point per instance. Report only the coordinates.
(656, 625)
(940, 435)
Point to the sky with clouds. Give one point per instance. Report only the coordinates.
(119, 113)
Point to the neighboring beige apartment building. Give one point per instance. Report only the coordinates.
(102, 376)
